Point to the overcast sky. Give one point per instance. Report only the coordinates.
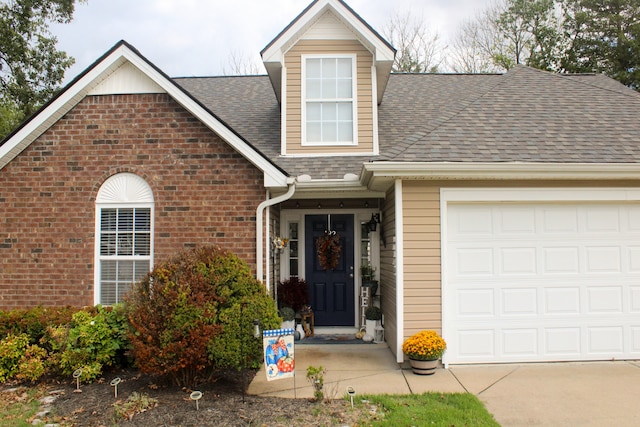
(197, 37)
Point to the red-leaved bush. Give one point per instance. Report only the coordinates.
(188, 308)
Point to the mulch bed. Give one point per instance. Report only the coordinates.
(222, 404)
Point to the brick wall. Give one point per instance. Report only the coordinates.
(205, 193)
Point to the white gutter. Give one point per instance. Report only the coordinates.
(507, 170)
(259, 227)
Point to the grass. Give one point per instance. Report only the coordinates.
(18, 407)
(429, 409)
(416, 410)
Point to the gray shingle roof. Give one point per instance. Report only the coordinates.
(525, 115)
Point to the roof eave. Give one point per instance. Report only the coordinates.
(378, 176)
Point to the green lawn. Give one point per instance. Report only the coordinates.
(16, 408)
(430, 409)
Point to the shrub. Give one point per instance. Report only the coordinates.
(19, 359)
(293, 293)
(92, 341)
(34, 322)
(194, 313)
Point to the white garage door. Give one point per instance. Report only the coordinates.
(541, 281)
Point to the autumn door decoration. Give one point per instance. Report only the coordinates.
(329, 248)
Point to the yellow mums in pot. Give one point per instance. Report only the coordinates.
(425, 345)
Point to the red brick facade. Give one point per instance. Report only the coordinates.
(205, 193)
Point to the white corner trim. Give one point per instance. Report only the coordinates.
(374, 109)
(399, 244)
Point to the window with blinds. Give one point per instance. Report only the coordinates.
(125, 250)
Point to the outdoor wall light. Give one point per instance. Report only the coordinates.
(256, 328)
(372, 225)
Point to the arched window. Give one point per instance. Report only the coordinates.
(124, 236)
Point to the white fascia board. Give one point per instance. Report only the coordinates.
(498, 171)
(275, 52)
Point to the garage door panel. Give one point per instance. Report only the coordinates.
(561, 260)
(561, 300)
(562, 342)
(633, 255)
(476, 303)
(606, 340)
(634, 292)
(520, 220)
(520, 342)
(559, 219)
(474, 261)
(517, 261)
(604, 299)
(476, 344)
(603, 259)
(542, 282)
(635, 339)
(519, 302)
(602, 219)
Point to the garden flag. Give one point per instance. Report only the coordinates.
(279, 361)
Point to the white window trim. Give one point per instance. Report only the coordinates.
(353, 100)
(120, 191)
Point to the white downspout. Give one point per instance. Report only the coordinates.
(260, 231)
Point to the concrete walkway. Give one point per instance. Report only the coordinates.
(551, 394)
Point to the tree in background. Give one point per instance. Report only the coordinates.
(583, 36)
(418, 50)
(603, 37)
(31, 68)
(476, 43)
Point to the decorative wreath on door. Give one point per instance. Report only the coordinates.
(329, 248)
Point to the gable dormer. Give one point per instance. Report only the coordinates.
(329, 70)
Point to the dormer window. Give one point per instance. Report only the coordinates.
(328, 101)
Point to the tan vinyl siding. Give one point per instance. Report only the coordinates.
(293, 63)
(388, 282)
(422, 271)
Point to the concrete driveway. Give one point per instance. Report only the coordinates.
(551, 394)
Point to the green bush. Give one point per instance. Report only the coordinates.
(186, 315)
(92, 340)
(19, 359)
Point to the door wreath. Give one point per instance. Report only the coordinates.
(329, 248)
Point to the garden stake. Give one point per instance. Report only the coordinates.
(351, 392)
(114, 384)
(76, 374)
(196, 395)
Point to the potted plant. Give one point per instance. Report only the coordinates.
(368, 275)
(288, 317)
(293, 293)
(424, 349)
(373, 315)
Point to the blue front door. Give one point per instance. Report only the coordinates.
(331, 291)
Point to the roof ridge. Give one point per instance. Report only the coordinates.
(624, 90)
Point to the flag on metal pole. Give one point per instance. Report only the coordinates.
(279, 359)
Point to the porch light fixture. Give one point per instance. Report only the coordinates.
(372, 225)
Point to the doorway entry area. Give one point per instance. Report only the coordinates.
(331, 287)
